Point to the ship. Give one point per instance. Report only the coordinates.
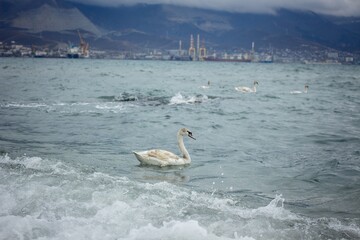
(267, 59)
(73, 52)
(78, 52)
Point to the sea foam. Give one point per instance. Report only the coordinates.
(48, 199)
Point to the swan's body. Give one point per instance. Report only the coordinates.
(163, 158)
(206, 87)
(247, 89)
(299, 92)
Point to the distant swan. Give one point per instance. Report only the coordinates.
(247, 89)
(306, 88)
(163, 158)
(205, 87)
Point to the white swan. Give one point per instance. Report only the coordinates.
(206, 87)
(163, 158)
(306, 88)
(247, 89)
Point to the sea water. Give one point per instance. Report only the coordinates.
(265, 165)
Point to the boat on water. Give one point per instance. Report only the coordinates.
(73, 52)
(267, 58)
(40, 54)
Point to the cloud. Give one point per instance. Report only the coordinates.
(331, 7)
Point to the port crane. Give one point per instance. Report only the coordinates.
(84, 46)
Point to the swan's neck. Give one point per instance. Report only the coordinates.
(182, 148)
(254, 88)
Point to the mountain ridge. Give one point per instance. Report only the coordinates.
(162, 26)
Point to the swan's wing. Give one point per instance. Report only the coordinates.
(160, 158)
(158, 154)
(162, 155)
(238, 89)
(243, 89)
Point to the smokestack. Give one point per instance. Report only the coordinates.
(192, 51)
(198, 45)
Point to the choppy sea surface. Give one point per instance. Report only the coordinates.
(265, 165)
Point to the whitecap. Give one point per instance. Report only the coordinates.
(23, 105)
(173, 229)
(60, 201)
(180, 99)
(116, 108)
(350, 228)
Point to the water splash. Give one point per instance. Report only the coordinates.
(180, 99)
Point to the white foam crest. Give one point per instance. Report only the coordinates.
(68, 203)
(180, 99)
(24, 105)
(27, 227)
(5, 158)
(28, 162)
(190, 229)
(222, 204)
(79, 104)
(40, 164)
(351, 228)
(275, 209)
(8, 202)
(173, 193)
(63, 107)
(112, 107)
(60, 104)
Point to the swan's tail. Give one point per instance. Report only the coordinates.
(139, 157)
(136, 154)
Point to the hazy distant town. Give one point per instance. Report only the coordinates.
(305, 54)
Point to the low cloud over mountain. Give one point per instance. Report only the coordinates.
(331, 7)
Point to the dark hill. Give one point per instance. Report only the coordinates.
(162, 26)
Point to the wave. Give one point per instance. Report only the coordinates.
(351, 84)
(270, 96)
(110, 103)
(69, 108)
(327, 138)
(123, 97)
(55, 200)
(154, 99)
(150, 99)
(189, 229)
(23, 105)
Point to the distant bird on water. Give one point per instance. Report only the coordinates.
(306, 88)
(164, 158)
(247, 89)
(207, 86)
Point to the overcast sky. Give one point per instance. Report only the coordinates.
(332, 7)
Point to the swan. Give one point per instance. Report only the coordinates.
(163, 158)
(306, 88)
(206, 87)
(247, 89)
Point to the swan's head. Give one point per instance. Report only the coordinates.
(306, 87)
(256, 83)
(186, 132)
